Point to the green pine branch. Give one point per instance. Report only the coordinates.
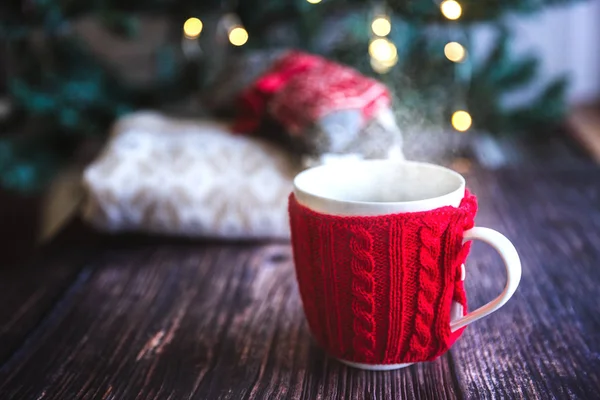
(75, 94)
(501, 73)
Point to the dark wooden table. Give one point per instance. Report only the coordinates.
(142, 318)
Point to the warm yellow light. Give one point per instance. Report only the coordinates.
(389, 63)
(383, 50)
(461, 120)
(451, 9)
(238, 36)
(382, 67)
(381, 26)
(314, 1)
(378, 67)
(455, 52)
(192, 28)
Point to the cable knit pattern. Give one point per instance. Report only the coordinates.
(379, 289)
(363, 285)
(429, 272)
(395, 275)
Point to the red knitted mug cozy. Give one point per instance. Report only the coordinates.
(379, 289)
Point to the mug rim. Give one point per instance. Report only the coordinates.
(438, 199)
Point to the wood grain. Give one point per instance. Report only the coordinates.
(545, 342)
(29, 291)
(158, 319)
(211, 322)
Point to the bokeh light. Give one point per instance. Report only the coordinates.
(461, 120)
(451, 9)
(383, 50)
(382, 67)
(238, 36)
(455, 52)
(381, 26)
(192, 28)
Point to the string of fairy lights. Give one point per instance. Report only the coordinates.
(236, 33)
(382, 51)
(384, 54)
(457, 53)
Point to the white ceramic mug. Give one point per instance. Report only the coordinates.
(380, 187)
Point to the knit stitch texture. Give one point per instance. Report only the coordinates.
(379, 290)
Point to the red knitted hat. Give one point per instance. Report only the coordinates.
(379, 289)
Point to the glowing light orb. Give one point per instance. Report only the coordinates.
(383, 50)
(451, 9)
(455, 52)
(381, 26)
(461, 120)
(192, 28)
(238, 36)
(383, 67)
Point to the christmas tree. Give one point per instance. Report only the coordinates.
(65, 89)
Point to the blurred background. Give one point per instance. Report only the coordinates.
(190, 118)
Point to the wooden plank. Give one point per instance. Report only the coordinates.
(544, 343)
(30, 290)
(162, 319)
(195, 321)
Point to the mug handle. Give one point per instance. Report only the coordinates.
(513, 273)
